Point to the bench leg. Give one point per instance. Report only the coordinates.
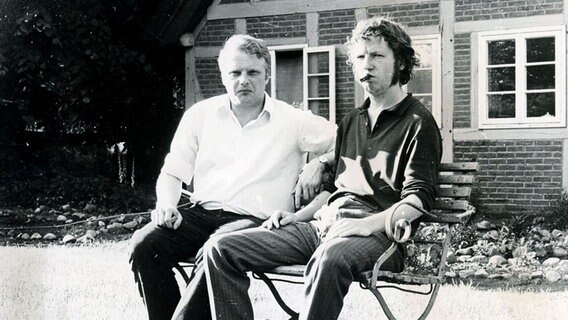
(293, 314)
(388, 312)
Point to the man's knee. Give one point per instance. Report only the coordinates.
(328, 259)
(217, 246)
(142, 242)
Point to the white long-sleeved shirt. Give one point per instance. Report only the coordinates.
(248, 170)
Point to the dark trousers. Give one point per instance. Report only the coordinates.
(155, 250)
(331, 268)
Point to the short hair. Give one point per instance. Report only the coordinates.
(247, 44)
(397, 39)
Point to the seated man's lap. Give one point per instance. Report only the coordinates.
(261, 249)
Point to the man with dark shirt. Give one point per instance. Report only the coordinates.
(387, 151)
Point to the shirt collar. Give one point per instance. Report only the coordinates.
(268, 104)
(400, 108)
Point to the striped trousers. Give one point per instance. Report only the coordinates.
(331, 268)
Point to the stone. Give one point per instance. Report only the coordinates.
(69, 238)
(557, 233)
(537, 274)
(550, 262)
(491, 235)
(451, 258)
(61, 218)
(481, 273)
(465, 258)
(49, 236)
(559, 252)
(41, 209)
(66, 208)
(506, 276)
(450, 274)
(35, 236)
(552, 276)
(545, 234)
(525, 276)
(89, 207)
(562, 267)
(85, 239)
(69, 221)
(495, 276)
(464, 274)
(11, 233)
(497, 260)
(479, 259)
(464, 251)
(130, 225)
(101, 224)
(565, 277)
(25, 236)
(2, 234)
(114, 225)
(514, 261)
(91, 233)
(484, 225)
(492, 251)
(79, 215)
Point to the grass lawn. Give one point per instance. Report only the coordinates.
(95, 282)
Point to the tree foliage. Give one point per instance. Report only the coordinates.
(78, 72)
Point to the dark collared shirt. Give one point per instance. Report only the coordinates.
(400, 156)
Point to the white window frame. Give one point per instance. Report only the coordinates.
(434, 40)
(330, 50)
(521, 120)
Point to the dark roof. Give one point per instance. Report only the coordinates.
(166, 20)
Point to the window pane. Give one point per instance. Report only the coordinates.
(541, 104)
(501, 52)
(540, 49)
(318, 62)
(421, 82)
(501, 105)
(540, 77)
(501, 79)
(318, 86)
(289, 82)
(319, 107)
(425, 55)
(426, 101)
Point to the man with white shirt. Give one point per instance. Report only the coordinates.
(243, 151)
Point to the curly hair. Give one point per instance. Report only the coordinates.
(249, 45)
(397, 39)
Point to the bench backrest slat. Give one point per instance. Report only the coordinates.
(455, 185)
(454, 192)
(460, 166)
(451, 204)
(455, 179)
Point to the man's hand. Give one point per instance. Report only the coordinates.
(309, 182)
(349, 227)
(168, 217)
(279, 219)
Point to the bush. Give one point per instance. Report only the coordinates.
(78, 74)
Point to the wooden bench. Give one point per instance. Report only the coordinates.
(452, 207)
